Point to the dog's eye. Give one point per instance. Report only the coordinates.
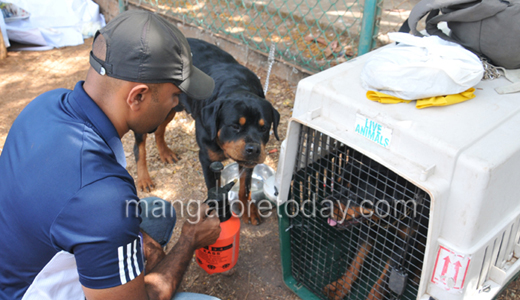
(264, 128)
(235, 127)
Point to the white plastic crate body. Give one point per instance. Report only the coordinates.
(466, 156)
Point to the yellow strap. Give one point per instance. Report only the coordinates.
(446, 100)
(384, 98)
(423, 103)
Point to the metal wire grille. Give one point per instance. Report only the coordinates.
(331, 261)
(311, 34)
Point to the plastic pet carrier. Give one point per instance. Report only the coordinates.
(383, 201)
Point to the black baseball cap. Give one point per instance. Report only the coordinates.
(143, 47)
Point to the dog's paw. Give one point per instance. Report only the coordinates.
(251, 220)
(334, 291)
(145, 184)
(167, 155)
(255, 216)
(252, 216)
(256, 221)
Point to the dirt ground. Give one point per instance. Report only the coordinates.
(258, 274)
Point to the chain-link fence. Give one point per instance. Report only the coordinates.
(313, 34)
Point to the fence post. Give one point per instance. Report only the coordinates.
(368, 25)
(122, 7)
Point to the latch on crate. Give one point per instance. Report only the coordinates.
(397, 281)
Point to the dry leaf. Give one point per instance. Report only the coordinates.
(288, 103)
(332, 47)
(348, 51)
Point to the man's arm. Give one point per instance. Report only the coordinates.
(164, 279)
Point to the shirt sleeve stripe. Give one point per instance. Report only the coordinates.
(129, 261)
(136, 265)
(121, 258)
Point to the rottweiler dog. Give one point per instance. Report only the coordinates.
(233, 123)
(380, 203)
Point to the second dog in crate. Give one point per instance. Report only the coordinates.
(364, 185)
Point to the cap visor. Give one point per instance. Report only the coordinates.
(199, 85)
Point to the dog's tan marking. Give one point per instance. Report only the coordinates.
(165, 153)
(406, 231)
(144, 182)
(378, 292)
(261, 122)
(263, 154)
(216, 156)
(250, 212)
(242, 121)
(235, 151)
(341, 287)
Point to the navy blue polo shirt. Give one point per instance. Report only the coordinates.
(67, 203)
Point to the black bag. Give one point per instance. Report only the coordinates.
(488, 28)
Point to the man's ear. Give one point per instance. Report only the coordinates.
(209, 118)
(136, 96)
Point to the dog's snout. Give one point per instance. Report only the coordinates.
(252, 149)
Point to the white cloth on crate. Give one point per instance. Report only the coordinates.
(55, 23)
(418, 68)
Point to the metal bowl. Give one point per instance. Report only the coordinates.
(261, 173)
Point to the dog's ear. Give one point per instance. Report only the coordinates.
(209, 120)
(276, 121)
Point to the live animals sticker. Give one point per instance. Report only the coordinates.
(373, 131)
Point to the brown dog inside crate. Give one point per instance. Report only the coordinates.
(391, 214)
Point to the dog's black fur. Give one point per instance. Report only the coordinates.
(234, 122)
(367, 180)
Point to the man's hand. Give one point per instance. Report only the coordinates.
(203, 229)
(153, 252)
